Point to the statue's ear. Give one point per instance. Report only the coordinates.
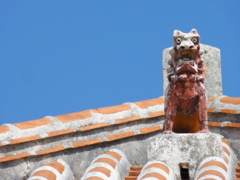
(193, 31)
(177, 33)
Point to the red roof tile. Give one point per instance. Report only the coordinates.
(230, 100)
(148, 103)
(112, 109)
(3, 129)
(74, 116)
(33, 123)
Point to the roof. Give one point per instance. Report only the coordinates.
(89, 120)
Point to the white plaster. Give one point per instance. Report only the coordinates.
(223, 124)
(150, 178)
(31, 153)
(5, 142)
(43, 135)
(37, 177)
(92, 174)
(67, 173)
(210, 176)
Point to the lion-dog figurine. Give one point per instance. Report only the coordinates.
(186, 96)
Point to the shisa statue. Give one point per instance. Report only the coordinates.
(186, 96)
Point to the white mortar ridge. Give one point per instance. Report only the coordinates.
(137, 111)
(31, 153)
(67, 173)
(223, 124)
(215, 103)
(52, 118)
(151, 178)
(5, 142)
(104, 139)
(37, 177)
(209, 177)
(92, 174)
(43, 135)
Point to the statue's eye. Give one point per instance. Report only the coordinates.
(178, 40)
(194, 40)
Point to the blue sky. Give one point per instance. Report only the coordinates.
(59, 57)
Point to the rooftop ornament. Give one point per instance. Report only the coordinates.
(186, 96)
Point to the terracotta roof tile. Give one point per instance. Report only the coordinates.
(94, 126)
(211, 172)
(33, 123)
(86, 143)
(115, 155)
(147, 103)
(156, 114)
(236, 125)
(61, 132)
(150, 129)
(56, 165)
(74, 116)
(112, 109)
(230, 100)
(160, 166)
(3, 129)
(46, 174)
(229, 111)
(121, 121)
(94, 178)
(217, 124)
(50, 150)
(120, 136)
(25, 139)
(14, 157)
(214, 163)
(211, 110)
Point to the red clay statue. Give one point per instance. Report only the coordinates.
(186, 97)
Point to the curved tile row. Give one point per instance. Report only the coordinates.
(93, 119)
(112, 165)
(97, 118)
(80, 121)
(60, 147)
(156, 170)
(58, 170)
(216, 167)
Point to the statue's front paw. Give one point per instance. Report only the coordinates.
(167, 132)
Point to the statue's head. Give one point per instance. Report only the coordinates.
(186, 50)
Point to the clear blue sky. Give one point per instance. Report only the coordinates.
(59, 57)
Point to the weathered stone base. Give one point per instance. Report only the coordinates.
(174, 149)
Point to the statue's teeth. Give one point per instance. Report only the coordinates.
(181, 62)
(192, 62)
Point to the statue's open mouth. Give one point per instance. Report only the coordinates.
(186, 62)
(186, 55)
